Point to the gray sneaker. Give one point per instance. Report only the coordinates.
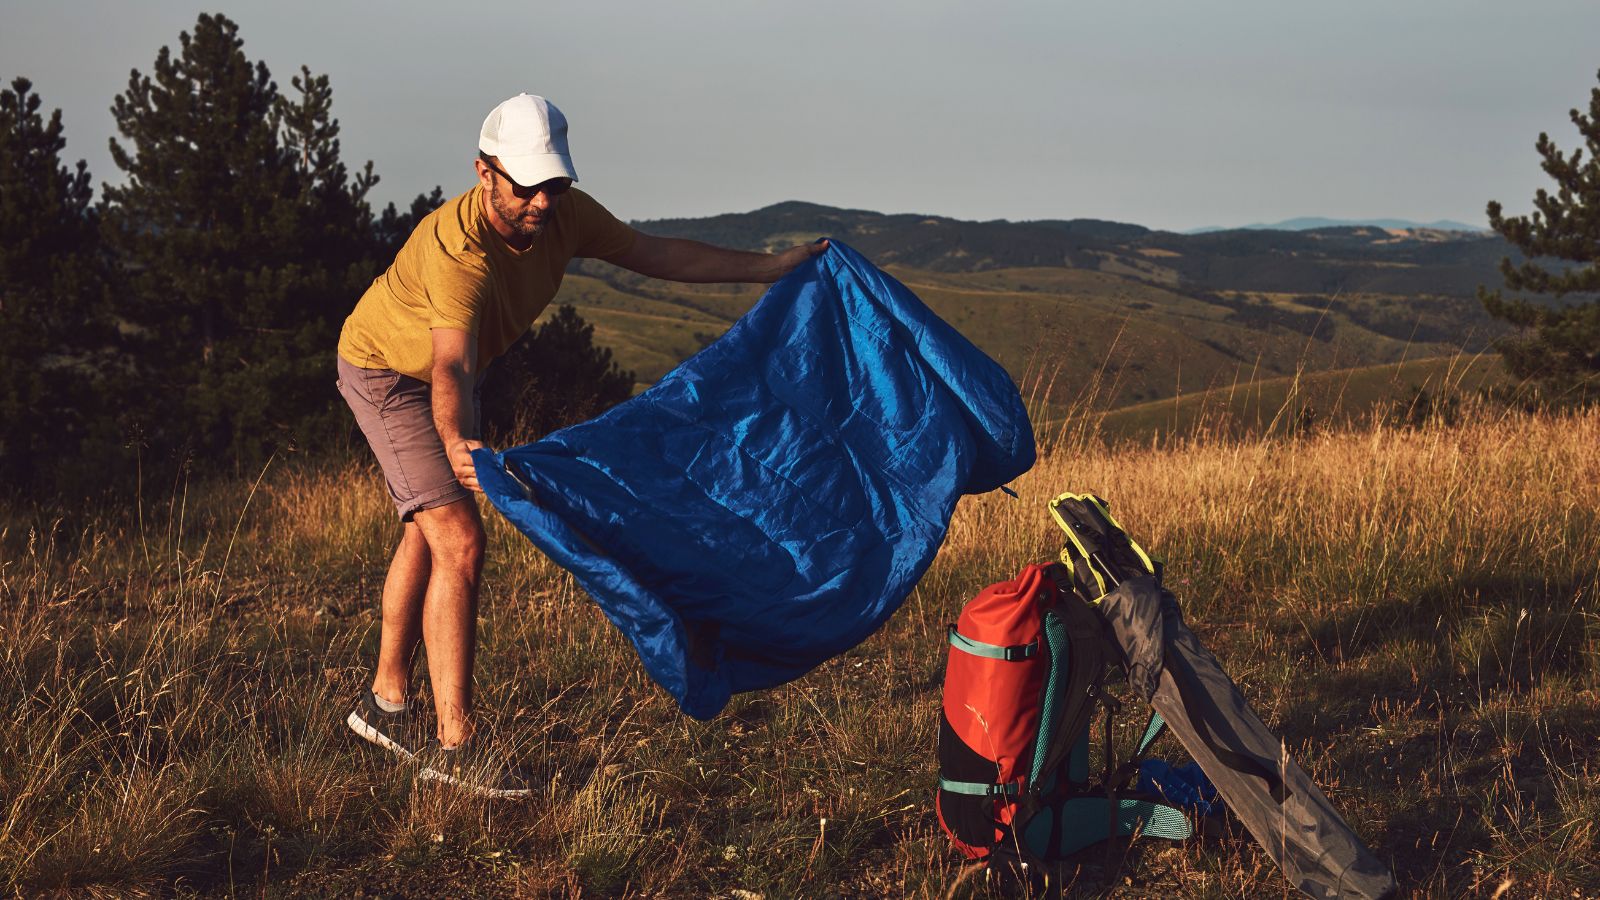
(389, 730)
(473, 769)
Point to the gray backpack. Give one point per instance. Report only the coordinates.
(1167, 665)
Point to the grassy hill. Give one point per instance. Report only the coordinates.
(1415, 611)
(1060, 330)
(1403, 392)
(650, 325)
(1066, 306)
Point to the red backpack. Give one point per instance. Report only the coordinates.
(1027, 665)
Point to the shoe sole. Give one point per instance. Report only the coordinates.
(363, 728)
(429, 773)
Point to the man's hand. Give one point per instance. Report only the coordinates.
(786, 261)
(460, 454)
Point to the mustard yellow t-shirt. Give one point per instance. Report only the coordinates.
(456, 272)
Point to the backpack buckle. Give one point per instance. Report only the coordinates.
(1111, 703)
(1020, 652)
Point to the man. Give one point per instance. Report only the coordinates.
(469, 281)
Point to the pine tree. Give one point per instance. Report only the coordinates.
(311, 137)
(51, 320)
(393, 227)
(552, 377)
(242, 242)
(1560, 348)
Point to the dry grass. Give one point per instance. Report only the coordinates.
(1414, 609)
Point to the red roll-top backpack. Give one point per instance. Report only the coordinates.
(1028, 660)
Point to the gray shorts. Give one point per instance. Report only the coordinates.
(395, 412)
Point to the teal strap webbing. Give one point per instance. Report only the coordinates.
(1150, 731)
(1160, 820)
(991, 651)
(1055, 634)
(1059, 831)
(979, 788)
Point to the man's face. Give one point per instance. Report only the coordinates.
(525, 210)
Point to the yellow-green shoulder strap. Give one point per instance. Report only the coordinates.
(1068, 557)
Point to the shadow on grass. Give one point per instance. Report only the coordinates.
(1434, 841)
(1107, 868)
(1504, 630)
(1463, 712)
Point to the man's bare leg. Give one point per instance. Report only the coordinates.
(403, 593)
(455, 541)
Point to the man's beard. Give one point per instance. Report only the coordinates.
(520, 225)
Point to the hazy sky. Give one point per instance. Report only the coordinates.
(1166, 113)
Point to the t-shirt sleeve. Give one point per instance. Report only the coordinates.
(458, 292)
(601, 235)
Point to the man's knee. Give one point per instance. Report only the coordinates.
(455, 536)
(412, 543)
(462, 549)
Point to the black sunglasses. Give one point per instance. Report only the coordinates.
(553, 187)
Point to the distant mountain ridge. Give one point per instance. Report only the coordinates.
(1339, 258)
(1305, 223)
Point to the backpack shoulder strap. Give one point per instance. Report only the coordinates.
(1077, 631)
(1098, 554)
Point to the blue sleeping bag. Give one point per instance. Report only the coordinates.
(772, 500)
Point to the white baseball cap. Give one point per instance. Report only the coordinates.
(529, 137)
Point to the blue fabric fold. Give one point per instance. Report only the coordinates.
(771, 501)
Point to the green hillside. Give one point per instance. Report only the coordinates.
(1146, 342)
(1405, 392)
(1058, 330)
(1090, 315)
(652, 325)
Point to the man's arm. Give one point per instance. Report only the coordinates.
(677, 259)
(455, 363)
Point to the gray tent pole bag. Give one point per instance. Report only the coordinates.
(1283, 810)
